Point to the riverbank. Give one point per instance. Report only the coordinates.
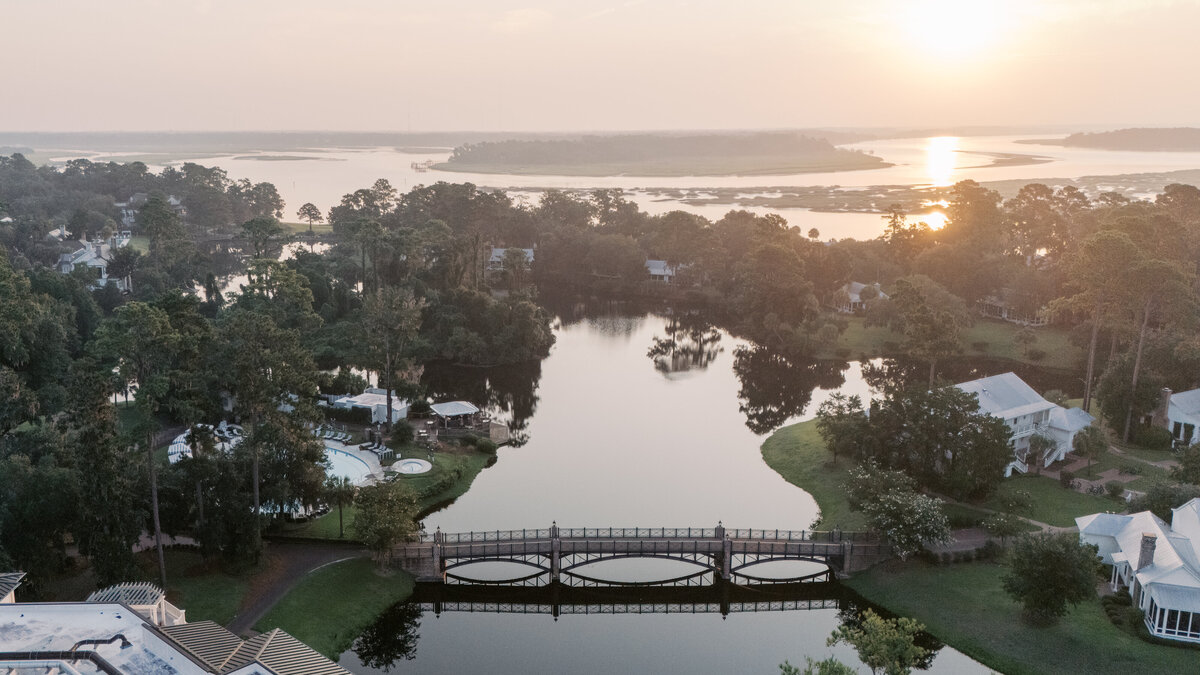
(964, 605)
(700, 167)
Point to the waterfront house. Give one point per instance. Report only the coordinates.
(1157, 562)
(1179, 413)
(1003, 306)
(1027, 414)
(849, 298)
(659, 270)
(375, 400)
(496, 259)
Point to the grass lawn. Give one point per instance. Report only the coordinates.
(1082, 642)
(450, 478)
(995, 336)
(302, 228)
(1052, 503)
(333, 604)
(798, 454)
(203, 590)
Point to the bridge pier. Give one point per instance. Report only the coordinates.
(555, 554)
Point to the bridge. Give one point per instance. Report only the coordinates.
(556, 555)
(559, 600)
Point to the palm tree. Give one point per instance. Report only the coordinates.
(1090, 441)
(339, 490)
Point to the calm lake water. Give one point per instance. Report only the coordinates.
(613, 437)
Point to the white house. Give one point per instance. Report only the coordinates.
(375, 400)
(849, 299)
(95, 255)
(1026, 413)
(496, 259)
(129, 209)
(1180, 414)
(1156, 561)
(659, 270)
(131, 630)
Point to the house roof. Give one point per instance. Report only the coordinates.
(854, 290)
(370, 399)
(1175, 562)
(453, 408)
(9, 581)
(1186, 404)
(139, 593)
(225, 652)
(498, 254)
(659, 268)
(1006, 395)
(1070, 419)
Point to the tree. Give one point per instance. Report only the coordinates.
(885, 645)
(391, 320)
(1095, 271)
(340, 490)
(141, 342)
(1162, 496)
(261, 231)
(1004, 525)
(908, 521)
(386, 517)
(1040, 445)
(1025, 338)
(311, 214)
(868, 482)
(1090, 442)
(1049, 571)
(841, 421)
(930, 318)
(829, 666)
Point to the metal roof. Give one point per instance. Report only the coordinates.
(453, 408)
(284, 655)
(9, 582)
(1006, 396)
(134, 594)
(206, 640)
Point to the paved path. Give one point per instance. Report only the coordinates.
(285, 565)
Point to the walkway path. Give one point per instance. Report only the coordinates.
(285, 564)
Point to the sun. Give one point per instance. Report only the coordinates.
(952, 30)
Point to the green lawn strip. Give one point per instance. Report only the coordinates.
(996, 338)
(333, 604)
(965, 515)
(302, 228)
(1145, 454)
(431, 489)
(202, 590)
(798, 454)
(1051, 502)
(945, 597)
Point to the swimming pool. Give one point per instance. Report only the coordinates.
(342, 463)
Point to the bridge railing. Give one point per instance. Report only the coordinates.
(833, 536)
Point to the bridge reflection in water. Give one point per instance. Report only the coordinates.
(559, 599)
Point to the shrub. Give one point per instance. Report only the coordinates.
(1066, 479)
(1154, 438)
(349, 415)
(469, 441)
(402, 434)
(1036, 354)
(419, 408)
(1115, 489)
(1131, 468)
(842, 353)
(486, 445)
(980, 345)
(990, 550)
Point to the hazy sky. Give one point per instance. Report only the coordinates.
(569, 65)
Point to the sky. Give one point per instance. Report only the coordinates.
(559, 65)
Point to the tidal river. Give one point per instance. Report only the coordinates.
(616, 438)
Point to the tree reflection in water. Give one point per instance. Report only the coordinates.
(391, 638)
(691, 344)
(851, 615)
(775, 389)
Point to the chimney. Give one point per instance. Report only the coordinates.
(1146, 555)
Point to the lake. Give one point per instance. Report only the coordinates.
(323, 175)
(613, 437)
